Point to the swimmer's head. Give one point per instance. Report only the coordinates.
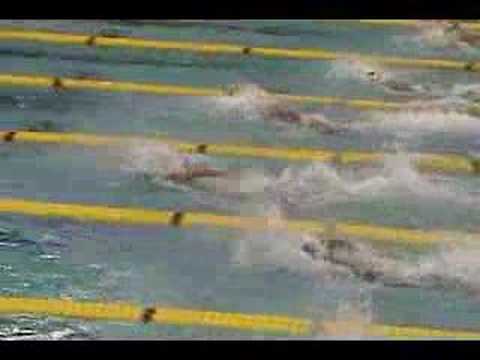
(373, 75)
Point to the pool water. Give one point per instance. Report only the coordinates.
(205, 267)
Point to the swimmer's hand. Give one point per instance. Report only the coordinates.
(193, 172)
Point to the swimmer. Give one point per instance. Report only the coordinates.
(278, 112)
(452, 34)
(372, 267)
(356, 259)
(155, 161)
(271, 109)
(471, 38)
(195, 171)
(377, 77)
(374, 74)
(189, 170)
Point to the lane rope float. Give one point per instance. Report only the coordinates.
(63, 84)
(186, 219)
(450, 163)
(58, 83)
(90, 40)
(269, 323)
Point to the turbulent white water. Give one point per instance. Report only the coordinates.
(353, 68)
(433, 35)
(466, 90)
(429, 37)
(155, 159)
(415, 124)
(310, 186)
(319, 184)
(241, 106)
(447, 267)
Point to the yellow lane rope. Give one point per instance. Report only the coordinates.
(160, 315)
(223, 48)
(60, 83)
(104, 85)
(451, 163)
(141, 216)
(270, 323)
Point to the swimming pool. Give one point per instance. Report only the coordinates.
(225, 269)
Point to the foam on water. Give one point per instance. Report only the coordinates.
(354, 68)
(397, 82)
(156, 161)
(433, 34)
(316, 185)
(319, 184)
(351, 318)
(417, 123)
(466, 90)
(457, 265)
(243, 105)
(452, 267)
(27, 327)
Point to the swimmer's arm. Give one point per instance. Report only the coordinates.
(208, 172)
(322, 124)
(398, 85)
(191, 174)
(281, 113)
(469, 37)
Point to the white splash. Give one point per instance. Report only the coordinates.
(432, 34)
(416, 123)
(155, 160)
(354, 68)
(466, 90)
(456, 265)
(320, 184)
(242, 105)
(351, 320)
